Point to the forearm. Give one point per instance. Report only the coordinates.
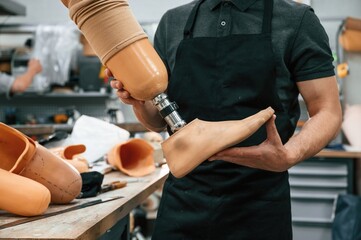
(316, 133)
(22, 82)
(149, 116)
(324, 108)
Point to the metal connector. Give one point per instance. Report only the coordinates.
(168, 110)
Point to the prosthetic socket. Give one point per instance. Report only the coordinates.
(133, 157)
(31, 173)
(121, 44)
(72, 154)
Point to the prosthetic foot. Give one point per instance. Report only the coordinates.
(21, 155)
(72, 155)
(134, 157)
(22, 196)
(199, 140)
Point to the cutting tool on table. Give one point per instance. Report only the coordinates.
(80, 206)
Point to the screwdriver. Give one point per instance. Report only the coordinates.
(112, 186)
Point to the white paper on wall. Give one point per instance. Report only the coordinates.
(351, 125)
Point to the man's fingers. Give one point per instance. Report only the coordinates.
(236, 152)
(272, 133)
(114, 84)
(108, 73)
(124, 94)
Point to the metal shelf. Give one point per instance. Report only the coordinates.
(312, 221)
(9, 7)
(63, 95)
(44, 129)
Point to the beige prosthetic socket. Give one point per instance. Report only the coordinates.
(21, 155)
(22, 196)
(72, 155)
(134, 157)
(121, 44)
(199, 140)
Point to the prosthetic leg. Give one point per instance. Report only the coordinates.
(121, 44)
(21, 155)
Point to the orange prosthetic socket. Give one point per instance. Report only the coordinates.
(140, 69)
(21, 155)
(134, 157)
(22, 196)
(199, 140)
(72, 155)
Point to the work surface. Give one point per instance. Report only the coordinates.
(90, 222)
(339, 154)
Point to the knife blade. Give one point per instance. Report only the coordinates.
(80, 206)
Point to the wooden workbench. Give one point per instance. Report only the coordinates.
(338, 154)
(90, 222)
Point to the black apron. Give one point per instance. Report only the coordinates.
(226, 78)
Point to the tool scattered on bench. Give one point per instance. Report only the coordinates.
(112, 186)
(80, 206)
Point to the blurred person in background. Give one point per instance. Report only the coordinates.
(10, 84)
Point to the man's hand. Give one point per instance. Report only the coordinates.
(270, 155)
(323, 106)
(123, 94)
(145, 112)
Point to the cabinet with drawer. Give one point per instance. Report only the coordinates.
(315, 184)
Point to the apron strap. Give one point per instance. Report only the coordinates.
(267, 16)
(188, 29)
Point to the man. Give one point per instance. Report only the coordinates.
(10, 84)
(227, 60)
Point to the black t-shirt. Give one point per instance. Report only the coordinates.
(300, 43)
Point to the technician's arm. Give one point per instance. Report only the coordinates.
(322, 101)
(145, 112)
(324, 108)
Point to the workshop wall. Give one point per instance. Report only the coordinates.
(331, 14)
(46, 11)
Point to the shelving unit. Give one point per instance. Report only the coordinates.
(48, 104)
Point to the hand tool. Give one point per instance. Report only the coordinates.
(83, 205)
(58, 135)
(112, 186)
